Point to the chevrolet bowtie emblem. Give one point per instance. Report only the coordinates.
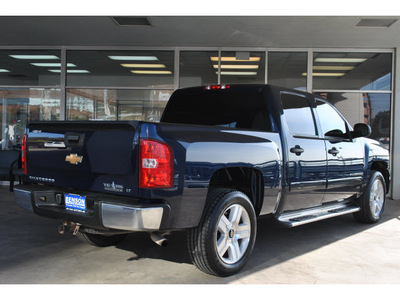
(74, 159)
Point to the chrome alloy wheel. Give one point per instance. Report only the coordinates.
(233, 234)
(376, 198)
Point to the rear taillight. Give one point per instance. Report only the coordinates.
(23, 154)
(156, 164)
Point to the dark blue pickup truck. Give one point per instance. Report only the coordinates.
(220, 157)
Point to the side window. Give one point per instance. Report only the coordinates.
(331, 122)
(298, 115)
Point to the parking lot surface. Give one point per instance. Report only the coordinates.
(338, 251)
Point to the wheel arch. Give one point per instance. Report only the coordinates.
(248, 180)
(382, 167)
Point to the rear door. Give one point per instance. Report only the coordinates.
(306, 164)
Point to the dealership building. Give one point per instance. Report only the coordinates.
(126, 68)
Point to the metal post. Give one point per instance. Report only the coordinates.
(309, 70)
(63, 79)
(395, 139)
(219, 66)
(176, 69)
(4, 124)
(266, 66)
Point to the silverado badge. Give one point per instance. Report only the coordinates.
(74, 159)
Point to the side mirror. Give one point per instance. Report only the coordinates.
(361, 130)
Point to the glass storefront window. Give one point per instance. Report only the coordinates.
(352, 71)
(112, 104)
(241, 67)
(369, 108)
(288, 69)
(197, 68)
(120, 68)
(141, 81)
(29, 67)
(20, 106)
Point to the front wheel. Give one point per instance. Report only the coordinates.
(222, 243)
(372, 201)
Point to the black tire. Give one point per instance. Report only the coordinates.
(99, 240)
(229, 220)
(372, 201)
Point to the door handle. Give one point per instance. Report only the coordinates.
(333, 151)
(297, 150)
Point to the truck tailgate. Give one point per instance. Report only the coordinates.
(91, 156)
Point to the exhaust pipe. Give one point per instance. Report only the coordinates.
(159, 239)
(71, 226)
(63, 227)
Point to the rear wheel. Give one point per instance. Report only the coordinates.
(372, 201)
(222, 243)
(100, 240)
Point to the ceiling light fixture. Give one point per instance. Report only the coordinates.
(340, 60)
(138, 58)
(325, 74)
(4, 71)
(237, 73)
(146, 66)
(252, 67)
(148, 72)
(70, 71)
(34, 56)
(334, 68)
(233, 58)
(51, 65)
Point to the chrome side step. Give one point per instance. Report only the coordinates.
(297, 218)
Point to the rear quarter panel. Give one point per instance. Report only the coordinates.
(200, 151)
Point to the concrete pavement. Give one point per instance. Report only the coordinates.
(338, 251)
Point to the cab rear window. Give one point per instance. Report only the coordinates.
(219, 108)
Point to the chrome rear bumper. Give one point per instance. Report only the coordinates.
(103, 214)
(23, 198)
(131, 218)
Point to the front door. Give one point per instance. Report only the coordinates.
(345, 156)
